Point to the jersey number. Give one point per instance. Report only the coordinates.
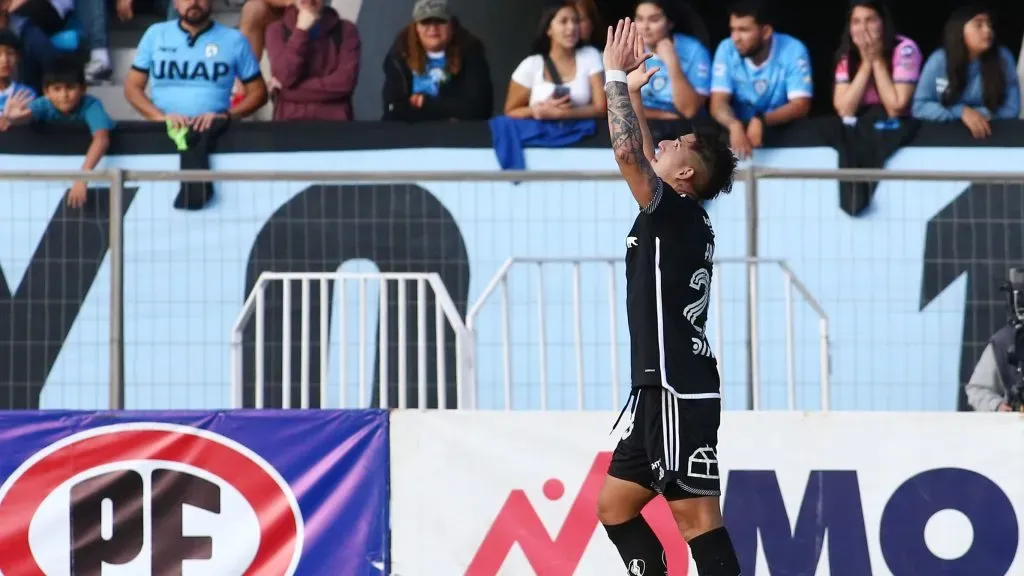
(701, 282)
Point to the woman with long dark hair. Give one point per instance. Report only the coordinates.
(875, 66)
(971, 78)
(676, 35)
(436, 70)
(563, 78)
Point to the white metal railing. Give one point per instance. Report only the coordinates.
(499, 282)
(446, 315)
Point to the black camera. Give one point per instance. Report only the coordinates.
(1015, 306)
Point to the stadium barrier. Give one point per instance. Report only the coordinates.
(756, 343)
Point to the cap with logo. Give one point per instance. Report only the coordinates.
(431, 10)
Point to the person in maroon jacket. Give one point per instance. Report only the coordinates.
(436, 70)
(314, 63)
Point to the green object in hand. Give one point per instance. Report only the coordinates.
(177, 135)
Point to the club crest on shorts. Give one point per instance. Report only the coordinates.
(703, 463)
(637, 567)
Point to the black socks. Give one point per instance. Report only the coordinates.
(714, 555)
(639, 548)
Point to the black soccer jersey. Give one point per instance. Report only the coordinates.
(669, 255)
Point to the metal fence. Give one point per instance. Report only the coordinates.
(118, 289)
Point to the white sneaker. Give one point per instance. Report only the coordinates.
(97, 71)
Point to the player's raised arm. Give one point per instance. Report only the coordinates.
(625, 69)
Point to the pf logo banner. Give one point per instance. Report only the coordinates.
(148, 498)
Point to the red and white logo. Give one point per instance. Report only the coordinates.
(148, 498)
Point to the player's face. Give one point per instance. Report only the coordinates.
(978, 34)
(651, 23)
(675, 159)
(864, 19)
(193, 11)
(748, 36)
(564, 29)
(434, 34)
(8, 62)
(64, 97)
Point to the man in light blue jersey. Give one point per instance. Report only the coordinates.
(192, 64)
(759, 77)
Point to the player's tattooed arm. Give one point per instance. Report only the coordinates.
(624, 52)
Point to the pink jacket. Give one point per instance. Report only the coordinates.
(317, 69)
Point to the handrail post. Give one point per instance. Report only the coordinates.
(116, 245)
(753, 392)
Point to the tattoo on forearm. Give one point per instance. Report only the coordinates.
(627, 135)
(624, 127)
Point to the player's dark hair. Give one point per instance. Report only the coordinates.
(718, 161)
(958, 59)
(849, 51)
(9, 40)
(64, 71)
(541, 44)
(759, 10)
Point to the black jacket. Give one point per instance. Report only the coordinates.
(468, 95)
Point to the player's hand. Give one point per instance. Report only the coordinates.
(639, 77)
(976, 123)
(620, 49)
(203, 122)
(739, 142)
(755, 132)
(76, 196)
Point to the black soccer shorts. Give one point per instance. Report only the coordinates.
(670, 445)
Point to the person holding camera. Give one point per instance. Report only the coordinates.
(986, 390)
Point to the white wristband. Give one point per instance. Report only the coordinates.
(614, 76)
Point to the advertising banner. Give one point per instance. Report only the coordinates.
(267, 493)
(841, 494)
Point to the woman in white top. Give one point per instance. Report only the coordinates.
(533, 93)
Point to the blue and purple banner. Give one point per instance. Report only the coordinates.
(262, 492)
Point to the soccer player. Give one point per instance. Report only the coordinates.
(670, 445)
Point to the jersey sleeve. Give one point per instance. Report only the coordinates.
(525, 73)
(96, 117)
(144, 52)
(906, 62)
(721, 79)
(842, 75)
(799, 83)
(247, 68)
(699, 68)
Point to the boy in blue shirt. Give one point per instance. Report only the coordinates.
(759, 78)
(64, 101)
(19, 95)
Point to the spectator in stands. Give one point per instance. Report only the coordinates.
(12, 93)
(436, 70)
(64, 100)
(680, 87)
(314, 60)
(563, 78)
(193, 63)
(885, 65)
(34, 22)
(759, 78)
(592, 28)
(970, 78)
